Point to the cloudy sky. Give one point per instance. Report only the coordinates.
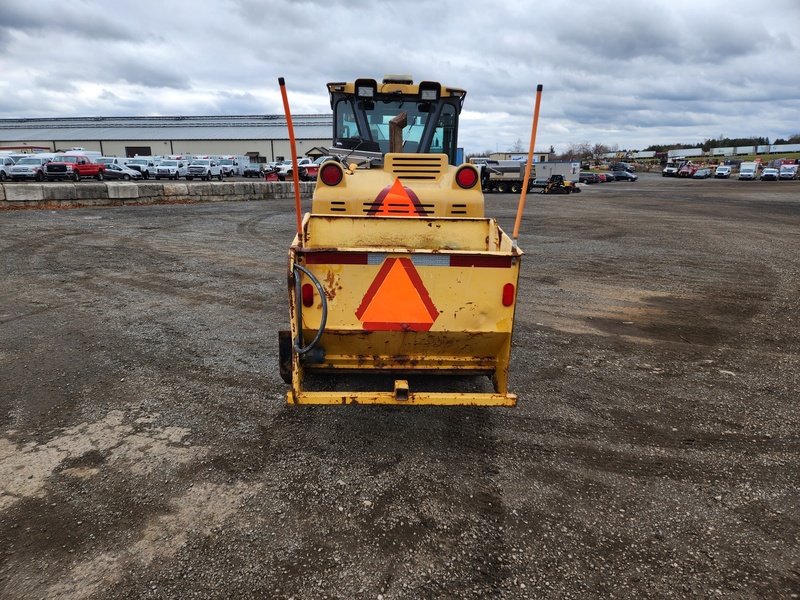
(626, 74)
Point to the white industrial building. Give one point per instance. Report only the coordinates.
(264, 138)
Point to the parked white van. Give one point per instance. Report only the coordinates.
(748, 170)
(110, 160)
(92, 155)
(723, 172)
(233, 165)
(6, 162)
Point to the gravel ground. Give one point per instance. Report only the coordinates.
(146, 450)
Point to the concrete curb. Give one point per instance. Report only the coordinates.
(115, 193)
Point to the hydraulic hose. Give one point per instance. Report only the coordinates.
(299, 303)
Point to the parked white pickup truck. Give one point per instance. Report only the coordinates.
(204, 168)
(172, 169)
(287, 166)
(788, 172)
(671, 170)
(146, 165)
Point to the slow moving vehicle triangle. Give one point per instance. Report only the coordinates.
(397, 300)
(396, 201)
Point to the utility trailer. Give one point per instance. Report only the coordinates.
(507, 176)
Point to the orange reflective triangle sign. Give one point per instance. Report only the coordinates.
(397, 300)
(397, 201)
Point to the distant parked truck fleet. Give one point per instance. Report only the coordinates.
(496, 175)
(78, 163)
(783, 169)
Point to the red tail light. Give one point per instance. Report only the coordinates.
(467, 177)
(508, 294)
(331, 173)
(308, 295)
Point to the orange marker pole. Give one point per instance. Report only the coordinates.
(295, 175)
(528, 166)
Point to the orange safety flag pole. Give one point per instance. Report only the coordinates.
(528, 166)
(295, 175)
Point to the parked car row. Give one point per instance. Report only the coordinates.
(746, 170)
(79, 163)
(606, 176)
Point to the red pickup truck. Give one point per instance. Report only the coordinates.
(73, 167)
(688, 169)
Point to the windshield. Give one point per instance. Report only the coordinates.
(430, 126)
(137, 161)
(169, 163)
(67, 159)
(30, 161)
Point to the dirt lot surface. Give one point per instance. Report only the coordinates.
(146, 450)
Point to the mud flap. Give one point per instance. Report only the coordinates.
(285, 355)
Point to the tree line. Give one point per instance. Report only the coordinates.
(586, 150)
(726, 142)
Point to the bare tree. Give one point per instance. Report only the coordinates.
(599, 150)
(517, 146)
(577, 151)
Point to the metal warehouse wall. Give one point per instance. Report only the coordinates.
(268, 150)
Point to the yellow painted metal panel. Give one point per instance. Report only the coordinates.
(469, 329)
(392, 234)
(417, 399)
(433, 185)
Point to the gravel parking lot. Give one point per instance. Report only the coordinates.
(146, 450)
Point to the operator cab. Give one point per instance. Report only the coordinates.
(362, 111)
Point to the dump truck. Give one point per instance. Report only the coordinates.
(396, 272)
(502, 176)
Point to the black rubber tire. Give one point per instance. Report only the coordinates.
(502, 187)
(39, 176)
(515, 188)
(100, 176)
(76, 176)
(126, 177)
(219, 177)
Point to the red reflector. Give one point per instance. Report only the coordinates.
(508, 294)
(466, 177)
(476, 260)
(331, 174)
(336, 258)
(308, 295)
